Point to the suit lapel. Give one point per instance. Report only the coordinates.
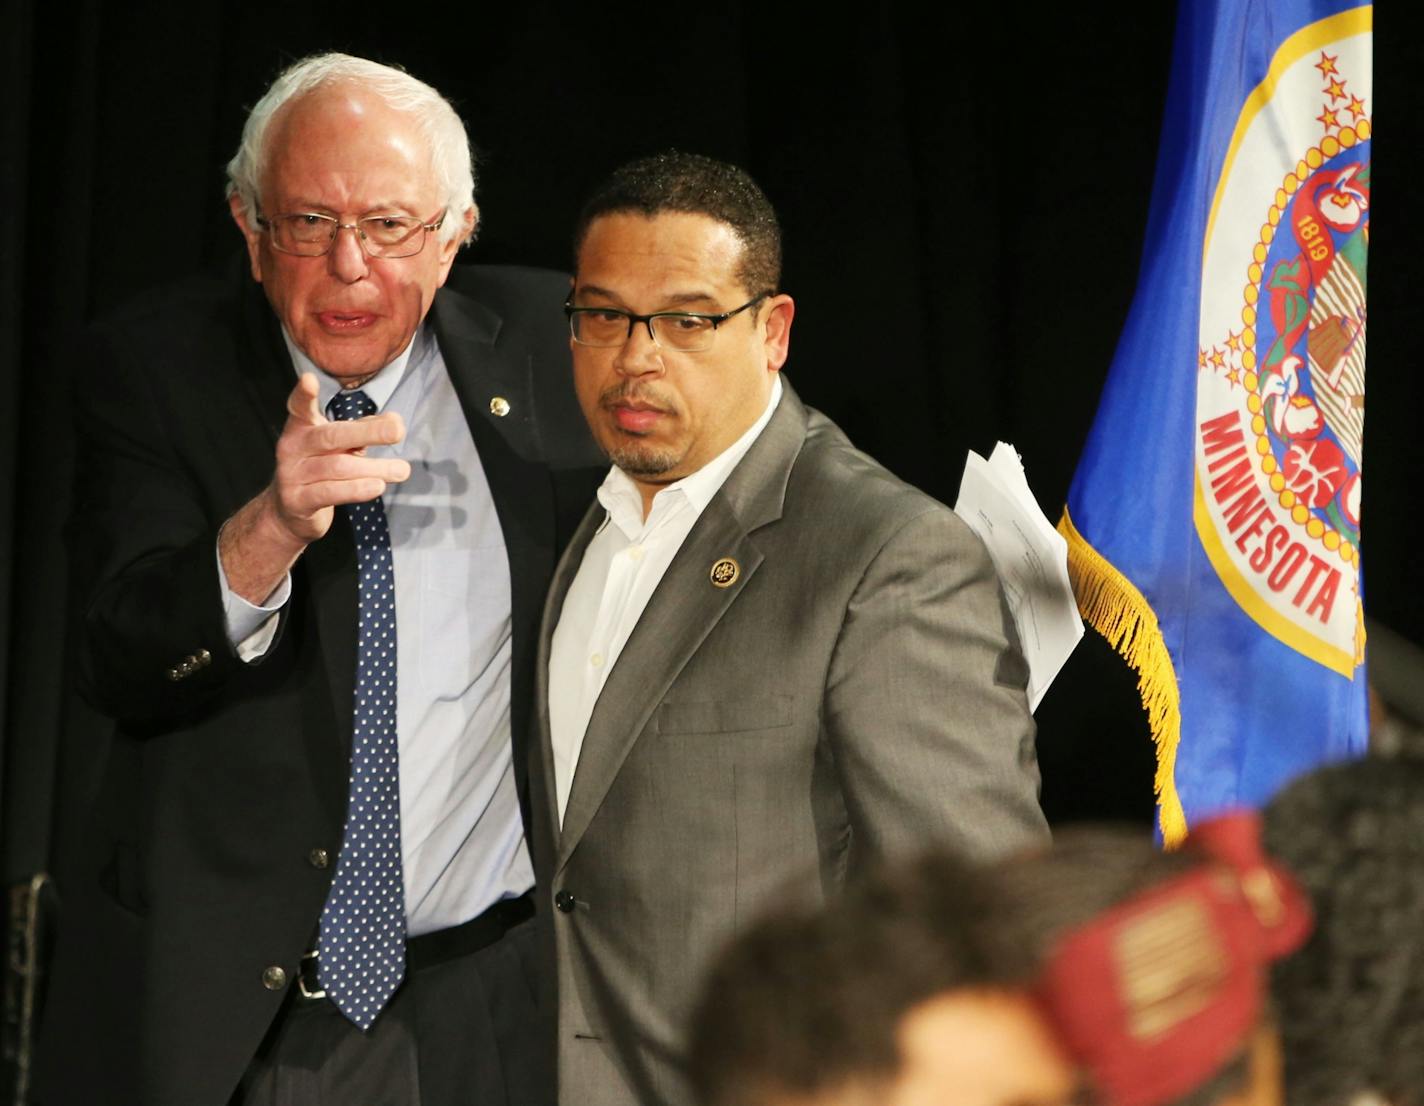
(683, 610)
(489, 379)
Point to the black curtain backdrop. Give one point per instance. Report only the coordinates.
(963, 194)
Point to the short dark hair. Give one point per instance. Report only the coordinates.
(1351, 1001)
(1088, 871)
(692, 183)
(809, 1000)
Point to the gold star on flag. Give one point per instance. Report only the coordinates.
(1336, 89)
(1327, 117)
(1234, 376)
(1326, 64)
(1357, 107)
(1217, 358)
(1233, 341)
(1201, 358)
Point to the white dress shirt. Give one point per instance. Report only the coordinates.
(619, 572)
(462, 835)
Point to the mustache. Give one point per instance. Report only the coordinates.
(635, 394)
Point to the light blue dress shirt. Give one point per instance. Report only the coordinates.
(462, 836)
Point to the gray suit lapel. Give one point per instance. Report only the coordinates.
(682, 611)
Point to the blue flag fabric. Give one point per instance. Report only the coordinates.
(1213, 521)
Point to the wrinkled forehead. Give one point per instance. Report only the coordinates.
(346, 138)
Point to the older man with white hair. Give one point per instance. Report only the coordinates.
(315, 521)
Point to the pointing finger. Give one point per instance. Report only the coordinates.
(384, 429)
(302, 405)
(350, 466)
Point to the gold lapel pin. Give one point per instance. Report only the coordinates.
(725, 572)
(499, 407)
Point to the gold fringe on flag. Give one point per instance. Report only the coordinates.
(1115, 608)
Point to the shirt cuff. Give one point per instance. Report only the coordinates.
(250, 628)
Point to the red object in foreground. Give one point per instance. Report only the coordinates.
(1157, 994)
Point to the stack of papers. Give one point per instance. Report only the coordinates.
(1031, 558)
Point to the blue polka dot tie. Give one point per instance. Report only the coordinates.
(361, 949)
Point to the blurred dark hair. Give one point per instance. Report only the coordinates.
(1089, 870)
(693, 184)
(809, 999)
(1351, 1002)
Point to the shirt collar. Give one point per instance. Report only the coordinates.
(622, 499)
(380, 387)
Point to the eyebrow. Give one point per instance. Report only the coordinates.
(676, 299)
(321, 209)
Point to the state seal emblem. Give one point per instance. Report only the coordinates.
(1281, 360)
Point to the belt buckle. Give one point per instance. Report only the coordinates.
(316, 992)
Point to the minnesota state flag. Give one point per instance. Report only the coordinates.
(1214, 520)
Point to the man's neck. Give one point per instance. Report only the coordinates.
(386, 377)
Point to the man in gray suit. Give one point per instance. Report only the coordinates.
(763, 657)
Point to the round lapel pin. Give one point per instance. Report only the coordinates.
(725, 572)
(499, 407)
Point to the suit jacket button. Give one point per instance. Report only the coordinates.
(274, 978)
(565, 902)
(319, 858)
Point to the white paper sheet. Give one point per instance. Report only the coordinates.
(1031, 558)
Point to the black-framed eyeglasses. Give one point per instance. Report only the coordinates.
(308, 234)
(684, 331)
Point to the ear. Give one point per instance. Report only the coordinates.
(778, 330)
(448, 249)
(252, 235)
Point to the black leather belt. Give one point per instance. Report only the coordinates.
(446, 944)
(430, 949)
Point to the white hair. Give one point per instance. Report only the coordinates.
(435, 120)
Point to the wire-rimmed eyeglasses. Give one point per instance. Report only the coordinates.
(309, 234)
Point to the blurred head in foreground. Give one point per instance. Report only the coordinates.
(1351, 1002)
(905, 992)
(1154, 964)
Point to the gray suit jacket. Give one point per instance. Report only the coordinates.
(857, 691)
